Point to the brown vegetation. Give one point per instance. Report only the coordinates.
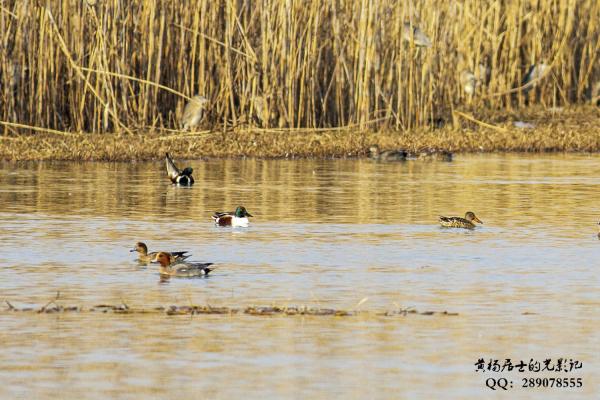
(117, 67)
(564, 130)
(53, 307)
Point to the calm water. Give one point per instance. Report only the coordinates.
(325, 234)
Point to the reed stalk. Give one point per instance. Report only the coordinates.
(123, 66)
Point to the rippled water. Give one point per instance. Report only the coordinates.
(327, 233)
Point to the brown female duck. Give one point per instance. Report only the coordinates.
(145, 257)
(459, 222)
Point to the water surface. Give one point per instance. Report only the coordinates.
(326, 233)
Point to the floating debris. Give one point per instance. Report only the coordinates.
(53, 308)
(406, 311)
(296, 311)
(413, 34)
(192, 310)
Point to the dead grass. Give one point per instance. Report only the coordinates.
(53, 307)
(118, 67)
(572, 130)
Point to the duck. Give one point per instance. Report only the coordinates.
(183, 178)
(387, 155)
(239, 217)
(458, 222)
(145, 257)
(434, 155)
(180, 269)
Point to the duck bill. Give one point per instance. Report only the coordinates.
(154, 260)
(132, 250)
(249, 215)
(478, 220)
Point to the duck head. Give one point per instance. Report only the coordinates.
(140, 247)
(241, 212)
(163, 258)
(470, 216)
(374, 150)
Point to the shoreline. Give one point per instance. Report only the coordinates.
(568, 130)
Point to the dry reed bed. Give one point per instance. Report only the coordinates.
(54, 308)
(568, 130)
(76, 67)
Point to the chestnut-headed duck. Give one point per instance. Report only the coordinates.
(180, 269)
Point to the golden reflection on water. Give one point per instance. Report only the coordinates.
(325, 234)
(500, 188)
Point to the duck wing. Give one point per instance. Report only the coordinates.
(223, 218)
(193, 269)
(180, 255)
(200, 265)
(220, 214)
(456, 222)
(394, 155)
(399, 153)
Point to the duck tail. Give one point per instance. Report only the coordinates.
(172, 169)
(208, 270)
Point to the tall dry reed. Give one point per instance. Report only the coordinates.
(72, 66)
